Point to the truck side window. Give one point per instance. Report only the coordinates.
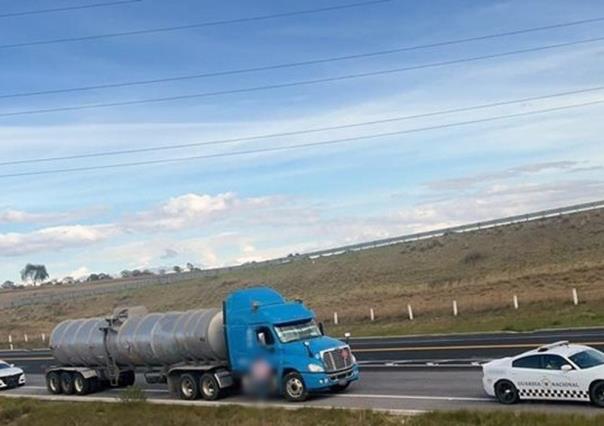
(265, 337)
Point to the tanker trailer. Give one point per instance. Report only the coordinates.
(202, 352)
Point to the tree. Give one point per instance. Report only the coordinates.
(190, 266)
(8, 285)
(126, 273)
(177, 269)
(34, 273)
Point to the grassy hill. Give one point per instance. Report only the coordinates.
(540, 261)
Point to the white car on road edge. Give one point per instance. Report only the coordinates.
(10, 376)
(560, 371)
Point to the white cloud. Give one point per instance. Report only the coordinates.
(54, 238)
(80, 272)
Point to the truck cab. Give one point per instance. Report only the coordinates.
(265, 332)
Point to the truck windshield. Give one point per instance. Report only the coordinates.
(587, 359)
(299, 331)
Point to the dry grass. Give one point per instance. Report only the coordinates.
(29, 412)
(539, 261)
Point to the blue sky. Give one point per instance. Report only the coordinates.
(227, 210)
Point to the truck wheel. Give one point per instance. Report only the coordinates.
(294, 388)
(127, 378)
(339, 387)
(209, 387)
(53, 383)
(81, 386)
(188, 389)
(596, 394)
(506, 392)
(67, 383)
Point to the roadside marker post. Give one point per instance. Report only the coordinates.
(575, 297)
(25, 338)
(455, 312)
(43, 337)
(335, 318)
(372, 314)
(410, 311)
(515, 302)
(10, 342)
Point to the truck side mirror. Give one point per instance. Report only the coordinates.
(566, 368)
(322, 329)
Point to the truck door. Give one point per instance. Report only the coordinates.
(268, 351)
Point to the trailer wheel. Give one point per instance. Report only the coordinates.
(53, 383)
(67, 383)
(127, 378)
(339, 387)
(81, 386)
(209, 387)
(294, 388)
(188, 389)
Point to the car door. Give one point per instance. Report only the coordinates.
(560, 382)
(527, 375)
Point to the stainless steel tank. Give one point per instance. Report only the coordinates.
(135, 338)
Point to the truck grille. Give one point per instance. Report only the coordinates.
(337, 359)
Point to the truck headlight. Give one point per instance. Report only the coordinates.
(315, 368)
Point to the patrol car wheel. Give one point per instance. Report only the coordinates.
(506, 392)
(596, 394)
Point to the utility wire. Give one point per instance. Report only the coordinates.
(191, 26)
(302, 131)
(67, 8)
(302, 63)
(295, 83)
(302, 145)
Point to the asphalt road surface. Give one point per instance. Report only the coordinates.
(398, 373)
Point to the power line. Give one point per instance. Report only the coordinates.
(302, 145)
(296, 83)
(192, 26)
(303, 63)
(67, 8)
(303, 131)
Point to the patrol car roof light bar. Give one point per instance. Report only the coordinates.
(545, 348)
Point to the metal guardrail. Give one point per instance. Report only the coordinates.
(105, 287)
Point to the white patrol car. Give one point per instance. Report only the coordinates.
(10, 376)
(560, 371)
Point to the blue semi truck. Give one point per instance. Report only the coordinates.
(257, 337)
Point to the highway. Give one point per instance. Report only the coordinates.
(414, 373)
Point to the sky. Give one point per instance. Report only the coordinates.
(228, 209)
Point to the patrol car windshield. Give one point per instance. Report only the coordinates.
(4, 365)
(587, 359)
(299, 331)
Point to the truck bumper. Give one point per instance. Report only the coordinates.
(322, 381)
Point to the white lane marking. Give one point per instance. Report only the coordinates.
(297, 406)
(117, 389)
(427, 397)
(350, 395)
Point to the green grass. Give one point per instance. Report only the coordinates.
(527, 318)
(25, 412)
